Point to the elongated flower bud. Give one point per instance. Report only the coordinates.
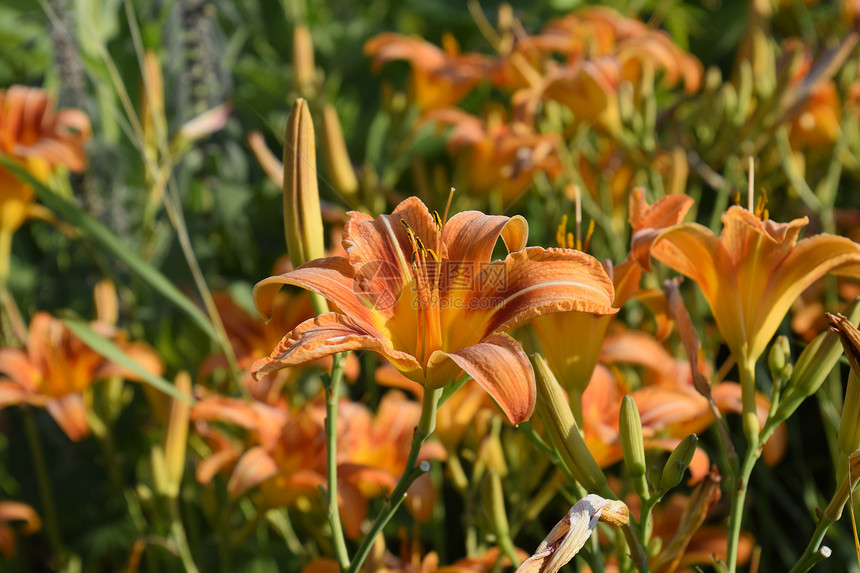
(302, 217)
(678, 462)
(498, 515)
(812, 367)
(630, 431)
(176, 440)
(555, 412)
(849, 422)
(336, 157)
(303, 60)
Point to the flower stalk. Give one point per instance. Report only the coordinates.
(411, 472)
(332, 392)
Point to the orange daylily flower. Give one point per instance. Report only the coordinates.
(574, 365)
(284, 455)
(817, 123)
(16, 511)
(753, 271)
(588, 88)
(425, 295)
(497, 154)
(599, 31)
(56, 368)
(39, 139)
(439, 78)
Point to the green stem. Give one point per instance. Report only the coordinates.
(411, 472)
(739, 494)
(48, 508)
(332, 389)
(814, 553)
(746, 367)
(178, 532)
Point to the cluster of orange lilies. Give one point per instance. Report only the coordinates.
(409, 364)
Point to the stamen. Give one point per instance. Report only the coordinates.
(438, 220)
(761, 206)
(433, 254)
(578, 197)
(588, 236)
(751, 184)
(448, 206)
(559, 232)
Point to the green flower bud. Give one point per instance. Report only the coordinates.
(302, 216)
(779, 356)
(679, 460)
(554, 411)
(849, 423)
(632, 446)
(655, 477)
(812, 367)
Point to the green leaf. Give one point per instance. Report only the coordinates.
(102, 236)
(115, 354)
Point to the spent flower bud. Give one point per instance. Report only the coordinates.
(570, 534)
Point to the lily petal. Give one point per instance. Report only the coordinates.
(329, 334)
(330, 277)
(472, 235)
(370, 241)
(692, 250)
(253, 468)
(71, 415)
(649, 220)
(501, 367)
(537, 281)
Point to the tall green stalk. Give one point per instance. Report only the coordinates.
(741, 476)
(332, 392)
(426, 426)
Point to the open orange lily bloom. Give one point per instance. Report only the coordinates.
(39, 139)
(753, 272)
(425, 295)
(56, 368)
(439, 78)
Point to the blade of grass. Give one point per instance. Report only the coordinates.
(102, 236)
(115, 354)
